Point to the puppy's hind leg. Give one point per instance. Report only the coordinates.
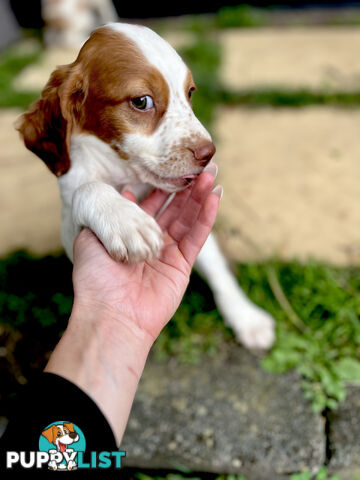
(253, 327)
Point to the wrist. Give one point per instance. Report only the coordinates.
(104, 355)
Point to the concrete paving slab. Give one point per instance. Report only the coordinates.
(309, 57)
(290, 182)
(225, 415)
(343, 441)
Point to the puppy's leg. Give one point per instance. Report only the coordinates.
(253, 327)
(126, 231)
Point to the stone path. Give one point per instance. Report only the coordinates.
(233, 417)
(290, 183)
(312, 57)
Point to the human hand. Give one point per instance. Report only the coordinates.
(120, 309)
(146, 295)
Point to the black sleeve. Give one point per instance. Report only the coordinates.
(47, 399)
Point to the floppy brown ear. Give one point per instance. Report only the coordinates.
(50, 433)
(46, 127)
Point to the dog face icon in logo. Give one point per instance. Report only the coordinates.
(67, 439)
(61, 435)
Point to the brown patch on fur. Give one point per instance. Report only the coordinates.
(118, 71)
(93, 95)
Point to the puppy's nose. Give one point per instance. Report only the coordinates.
(204, 153)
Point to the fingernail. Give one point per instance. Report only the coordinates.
(218, 190)
(211, 168)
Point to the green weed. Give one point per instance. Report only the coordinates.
(240, 16)
(322, 474)
(323, 344)
(176, 476)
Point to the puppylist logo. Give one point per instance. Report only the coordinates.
(62, 447)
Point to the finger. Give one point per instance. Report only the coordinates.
(84, 243)
(173, 210)
(191, 244)
(153, 203)
(190, 211)
(129, 195)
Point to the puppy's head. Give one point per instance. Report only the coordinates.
(61, 435)
(129, 88)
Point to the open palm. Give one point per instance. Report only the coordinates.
(147, 294)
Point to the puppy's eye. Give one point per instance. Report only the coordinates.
(142, 103)
(59, 433)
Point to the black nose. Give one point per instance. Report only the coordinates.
(204, 153)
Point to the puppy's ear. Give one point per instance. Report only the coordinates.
(50, 433)
(46, 127)
(69, 426)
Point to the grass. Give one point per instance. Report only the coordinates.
(291, 98)
(322, 474)
(323, 343)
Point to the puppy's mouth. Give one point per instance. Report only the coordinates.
(190, 178)
(62, 447)
(179, 183)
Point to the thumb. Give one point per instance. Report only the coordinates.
(87, 245)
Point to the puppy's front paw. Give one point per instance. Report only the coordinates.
(134, 237)
(255, 328)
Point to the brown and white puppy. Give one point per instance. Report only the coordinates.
(61, 435)
(121, 114)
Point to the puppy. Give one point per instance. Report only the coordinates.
(61, 436)
(121, 114)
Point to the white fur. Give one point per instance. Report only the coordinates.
(90, 191)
